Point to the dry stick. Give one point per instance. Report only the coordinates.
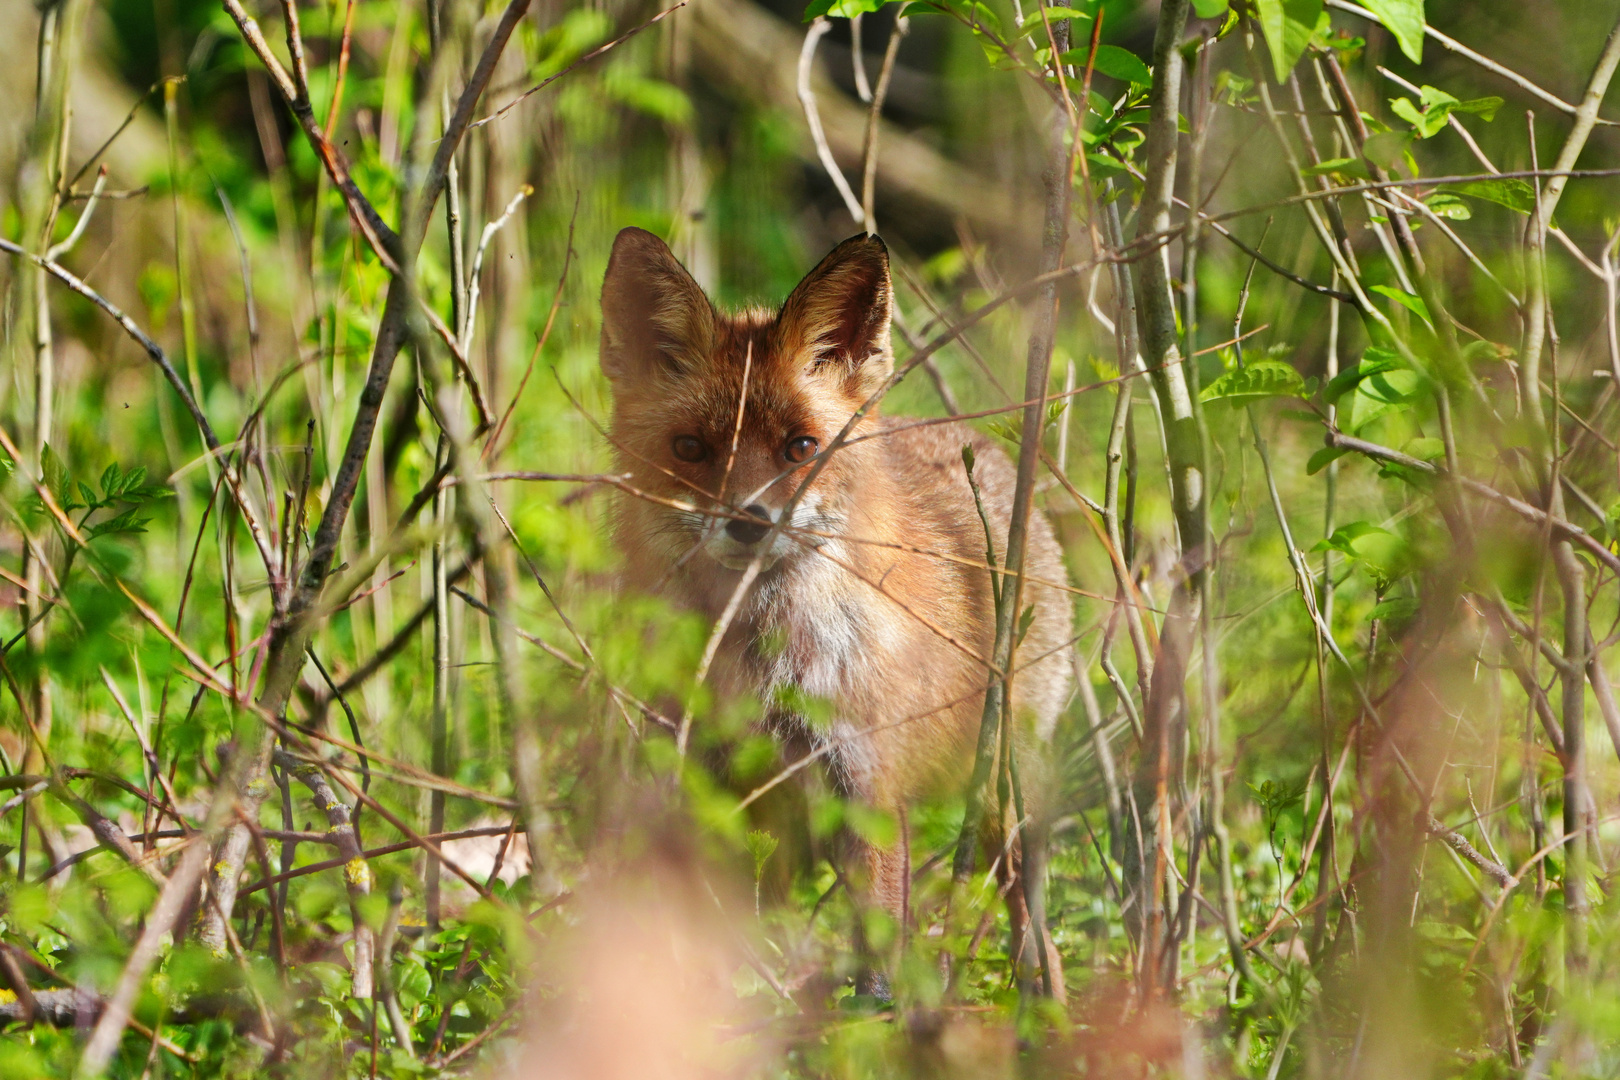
(1483, 61)
(1127, 350)
(857, 57)
(402, 638)
(587, 58)
(378, 234)
(1561, 527)
(172, 376)
(492, 443)
(171, 901)
(342, 70)
(1302, 576)
(294, 628)
(1571, 573)
(470, 323)
(618, 693)
(369, 853)
(999, 691)
(439, 727)
(385, 979)
(1214, 778)
(12, 975)
(869, 170)
(356, 873)
(812, 117)
(1532, 689)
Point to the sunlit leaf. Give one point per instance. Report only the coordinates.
(1115, 62)
(1404, 19)
(843, 9)
(1261, 379)
(1287, 26)
(1513, 193)
(1414, 304)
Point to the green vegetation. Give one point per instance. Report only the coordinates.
(328, 747)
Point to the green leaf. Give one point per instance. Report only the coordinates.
(1005, 429)
(1512, 193)
(761, 846)
(1103, 166)
(1323, 458)
(1381, 393)
(1116, 63)
(1261, 379)
(1427, 122)
(1025, 621)
(655, 97)
(843, 9)
(1351, 168)
(1611, 520)
(1425, 448)
(1058, 11)
(109, 480)
(1404, 18)
(1445, 205)
(1437, 106)
(1373, 361)
(87, 493)
(1287, 26)
(127, 522)
(1210, 9)
(55, 473)
(1485, 108)
(1380, 549)
(1414, 304)
(133, 480)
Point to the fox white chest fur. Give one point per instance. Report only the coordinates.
(865, 586)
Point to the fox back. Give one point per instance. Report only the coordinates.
(870, 585)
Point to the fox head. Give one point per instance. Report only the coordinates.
(725, 415)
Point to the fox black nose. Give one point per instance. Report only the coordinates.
(746, 531)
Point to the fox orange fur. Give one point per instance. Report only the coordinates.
(875, 595)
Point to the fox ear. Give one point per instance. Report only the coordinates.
(655, 318)
(839, 315)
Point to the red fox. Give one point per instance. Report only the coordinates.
(875, 594)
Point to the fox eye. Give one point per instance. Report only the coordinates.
(800, 448)
(689, 448)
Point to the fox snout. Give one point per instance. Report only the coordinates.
(752, 528)
(735, 536)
